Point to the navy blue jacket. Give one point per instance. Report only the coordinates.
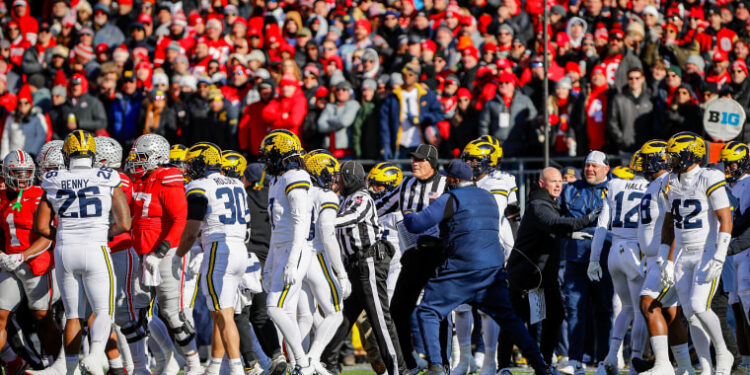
(468, 219)
(430, 113)
(579, 199)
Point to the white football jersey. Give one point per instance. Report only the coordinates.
(503, 188)
(510, 182)
(282, 223)
(227, 214)
(693, 198)
(82, 201)
(621, 205)
(322, 199)
(653, 206)
(390, 223)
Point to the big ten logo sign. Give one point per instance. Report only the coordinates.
(724, 118)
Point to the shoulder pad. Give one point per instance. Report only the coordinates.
(171, 177)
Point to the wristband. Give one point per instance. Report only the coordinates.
(722, 245)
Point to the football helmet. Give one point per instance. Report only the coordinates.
(654, 154)
(177, 156)
(233, 164)
(52, 160)
(79, 144)
(622, 172)
(108, 153)
(45, 147)
(498, 148)
(150, 151)
(202, 158)
(736, 159)
(323, 167)
(685, 149)
(481, 156)
(636, 162)
(18, 170)
(278, 150)
(384, 174)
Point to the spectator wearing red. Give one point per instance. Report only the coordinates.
(287, 111)
(719, 73)
(238, 86)
(508, 117)
(469, 67)
(218, 48)
(178, 33)
(28, 24)
(18, 44)
(252, 126)
(722, 37)
(618, 60)
(362, 40)
(595, 110)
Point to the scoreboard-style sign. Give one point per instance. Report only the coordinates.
(724, 119)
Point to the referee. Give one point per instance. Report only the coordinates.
(421, 259)
(368, 259)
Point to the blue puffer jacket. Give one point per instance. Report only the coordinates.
(430, 113)
(578, 199)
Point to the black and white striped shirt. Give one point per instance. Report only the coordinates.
(357, 223)
(414, 195)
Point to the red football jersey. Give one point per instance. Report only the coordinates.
(159, 209)
(18, 226)
(123, 241)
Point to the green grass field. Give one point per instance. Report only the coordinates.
(360, 370)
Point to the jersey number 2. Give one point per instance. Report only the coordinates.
(618, 222)
(235, 204)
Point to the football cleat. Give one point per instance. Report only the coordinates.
(323, 167)
(736, 159)
(233, 164)
(18, 170)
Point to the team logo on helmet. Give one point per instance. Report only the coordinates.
(108, 153)
(79, 143)
(636, 162)
(18, 170)
(622, 172)
(385, 174)
(654, 154)
(277, 149)
(498, 148)
(323, 167)
(685, 149)
(201, 158)
(150, 151)
(177, 155)
(233, 164)
(736, 159)
(481, 156)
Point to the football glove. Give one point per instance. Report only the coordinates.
(595, 271)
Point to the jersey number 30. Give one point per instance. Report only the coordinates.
(236, 204)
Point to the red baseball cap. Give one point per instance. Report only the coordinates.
(101, 47)
(145, 18)
(719, 56)
(740, 64)
(507, 77)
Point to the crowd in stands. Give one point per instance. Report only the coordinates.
(369, 79)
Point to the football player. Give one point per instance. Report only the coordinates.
(131, 301)
(217, 206)
(326, 278)
(26, 262)
(382, 179)
(159, 215)
(289, 254)
(736, 159)
(620, 213)
(84, 200)
(659, 304)
(700, 223)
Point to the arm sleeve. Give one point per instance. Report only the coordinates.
(429, 217)
(299, 212)
(197, 206)
(717, 195)
(327, 232)
(600, 234)
(354, 214)
(174, 203)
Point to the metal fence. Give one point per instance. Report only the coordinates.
(525, 169)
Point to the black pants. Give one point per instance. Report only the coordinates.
(418, 266)
(257, 315)
(369, 293)
(550, 327)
